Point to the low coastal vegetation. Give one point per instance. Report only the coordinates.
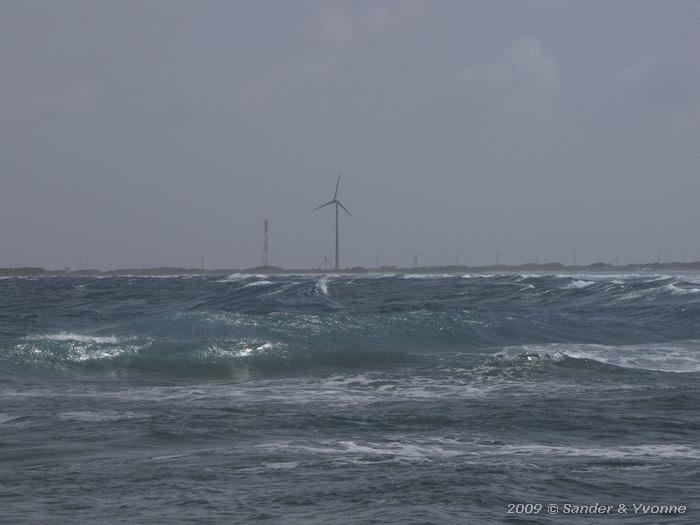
(28, 271)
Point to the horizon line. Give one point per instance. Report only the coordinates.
(445, 268)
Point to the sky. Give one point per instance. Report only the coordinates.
(158, 132)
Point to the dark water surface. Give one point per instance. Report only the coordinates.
(337, 399)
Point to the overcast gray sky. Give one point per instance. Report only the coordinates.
(156, 132)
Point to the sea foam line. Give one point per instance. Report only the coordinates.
(78, 338)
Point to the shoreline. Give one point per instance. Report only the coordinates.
(359, 270)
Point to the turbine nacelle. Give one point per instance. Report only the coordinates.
(335, 200)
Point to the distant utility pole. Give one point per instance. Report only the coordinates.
(266, 261)
(415, 261)
(325, 264)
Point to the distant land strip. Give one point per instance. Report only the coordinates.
(450, 269)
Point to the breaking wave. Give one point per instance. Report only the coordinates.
(503, 325)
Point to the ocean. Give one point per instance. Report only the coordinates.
(355, 399)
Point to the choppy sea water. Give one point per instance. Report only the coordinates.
(350, 399)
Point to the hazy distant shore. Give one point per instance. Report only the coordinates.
(451, 269)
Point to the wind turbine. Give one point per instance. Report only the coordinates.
(337, 204)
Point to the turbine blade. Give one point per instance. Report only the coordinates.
(337, 184)
(323, 205)
(346, 210)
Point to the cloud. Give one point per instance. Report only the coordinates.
(335, 26)
(531, 68)
(346, 24)
(520, 79)
(658, 82)
(659, 93)
(280, 82)
(69, 97)
(670, 79)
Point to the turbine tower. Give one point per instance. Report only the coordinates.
(337, 204)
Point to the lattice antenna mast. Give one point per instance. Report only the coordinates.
(266, 251)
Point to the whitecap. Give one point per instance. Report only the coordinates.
(358, 451)
(577, 285)
(166, 458)
(88, 416)
(257, 283)
(77, 338)
(425, 275)
(243, 348)
(679, 357)
(322, 285)
(281, 465)
(675, 290)
(236, 277)
(80, 347)
(622, 452)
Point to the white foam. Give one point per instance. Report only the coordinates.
(281, 465)
(679, 357)
(236, 277)
(245, 348)
(426, 275)
(635, 296)
(411, 451)
(651, 293)
(140, 276)
(523, 276)
(353, 451)
(692, 279)
(675, 290)
(436, 449)
(358, 389)
(76, 338)
(166, 458)
(348, 380)
(228, 318)
(282, 289)
(81, 347)
(629, 452)
(577, 285)
(322, 285)
(611, 277)
(88, 416)
(257, 283)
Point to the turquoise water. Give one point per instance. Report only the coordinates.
(356, 399)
